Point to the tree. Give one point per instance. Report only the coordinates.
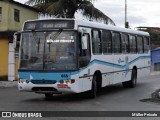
(68, 8)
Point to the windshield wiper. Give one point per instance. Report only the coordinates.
(37, 42)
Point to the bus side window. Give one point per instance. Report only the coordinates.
(107, 42)
(146, 44)
(125, 43)
(140, 44)
(84, 54)
(96, 42)
(132, 44)
(116, 42)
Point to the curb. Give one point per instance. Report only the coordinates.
(7, 84)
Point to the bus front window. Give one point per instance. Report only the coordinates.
(48, 50)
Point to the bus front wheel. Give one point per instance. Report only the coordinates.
(48, 95)
(93, 91)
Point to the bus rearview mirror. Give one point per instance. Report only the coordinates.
(16, 39)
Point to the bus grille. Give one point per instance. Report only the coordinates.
(43, 89)
(43, 81)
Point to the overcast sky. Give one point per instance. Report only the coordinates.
(139, 12)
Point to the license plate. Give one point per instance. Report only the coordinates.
(62, 86)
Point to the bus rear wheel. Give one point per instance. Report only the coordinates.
(133, 82)
(93, 91)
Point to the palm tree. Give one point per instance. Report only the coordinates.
(68, 8)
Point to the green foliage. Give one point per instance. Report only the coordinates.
(68, 8)
(155, 37)
(126, 24)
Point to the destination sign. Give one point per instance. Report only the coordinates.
(59, 41)
(49, 24)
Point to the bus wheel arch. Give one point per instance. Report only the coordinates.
(96, 84)
(133, 81)
(135, 68)
(48, 95)
(98, 75)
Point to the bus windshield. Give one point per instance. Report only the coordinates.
(54, 50)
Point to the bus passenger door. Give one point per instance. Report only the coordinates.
(84, 53)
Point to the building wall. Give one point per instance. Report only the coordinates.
(155, 58)
(3, 59)
(4, 22)
(8, 23)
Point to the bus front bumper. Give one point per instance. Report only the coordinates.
(57, 88)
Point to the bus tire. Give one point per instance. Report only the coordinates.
(125, 84)
(133, 82)
(93, 91)
(48, 95)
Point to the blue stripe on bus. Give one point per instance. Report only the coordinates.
(56, 75)
(46, 76)
(112, 64)
(116, 65)
(141, 57)
(105, 63)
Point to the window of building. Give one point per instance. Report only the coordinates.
(0, 14)
(16, 15)
(107, 42)
(116, 42)
(96, 42)
(146, 44)
(125, 43)
(140, 44)
(132, 44)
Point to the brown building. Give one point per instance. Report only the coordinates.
(154, 35)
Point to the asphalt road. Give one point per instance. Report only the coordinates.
(113, 98)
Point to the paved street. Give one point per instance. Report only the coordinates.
(113, 98)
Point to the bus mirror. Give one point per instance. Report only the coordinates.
(84, 42)
(16, 39)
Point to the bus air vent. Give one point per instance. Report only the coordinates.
(43, 81)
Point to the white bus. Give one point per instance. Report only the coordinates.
(72, 56)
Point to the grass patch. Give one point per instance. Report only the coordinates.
(150, 100)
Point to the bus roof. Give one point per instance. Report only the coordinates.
(97, 25)
(110, 27)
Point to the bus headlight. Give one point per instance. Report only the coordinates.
(71, 81)
(23, 81)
